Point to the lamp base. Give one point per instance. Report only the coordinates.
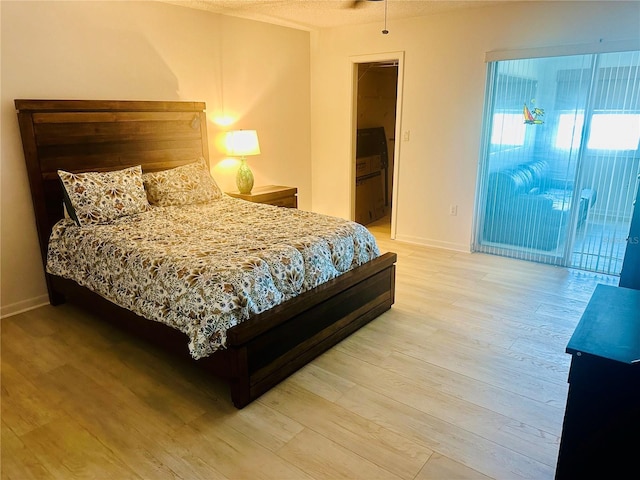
(244, 178)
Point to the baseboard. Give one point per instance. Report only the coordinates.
(426, 242)
(25, 305)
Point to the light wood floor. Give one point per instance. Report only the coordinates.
(464, 378)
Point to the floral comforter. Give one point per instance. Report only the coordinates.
(207, 267)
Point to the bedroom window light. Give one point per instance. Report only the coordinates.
(614, 131)
(609, 131)
(569, 130)
(508, 129)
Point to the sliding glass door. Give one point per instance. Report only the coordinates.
(560, 159)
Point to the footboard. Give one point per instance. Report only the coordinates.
(273, 345)
(269, 347)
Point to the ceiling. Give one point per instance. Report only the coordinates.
(313, 14)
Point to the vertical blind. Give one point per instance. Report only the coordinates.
(559, 168)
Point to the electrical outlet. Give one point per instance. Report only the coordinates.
(453, 210)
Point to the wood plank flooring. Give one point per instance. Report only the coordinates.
(465, 378)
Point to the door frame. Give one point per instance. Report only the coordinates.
(353, 63)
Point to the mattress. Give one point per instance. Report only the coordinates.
(203, 268)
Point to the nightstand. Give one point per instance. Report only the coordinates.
(272, 194)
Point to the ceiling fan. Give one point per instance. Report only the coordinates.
(360, 3)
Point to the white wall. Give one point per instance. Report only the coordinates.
(256, 73)
(444, 81)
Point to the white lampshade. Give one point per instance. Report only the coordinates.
(241, 143)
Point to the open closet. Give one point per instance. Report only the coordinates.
(375, 136)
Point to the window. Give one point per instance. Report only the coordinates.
(609, 131)
(508, 129)
(614, 131)
(569, 130)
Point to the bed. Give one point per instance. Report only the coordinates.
(255, 352)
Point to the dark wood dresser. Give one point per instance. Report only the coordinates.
(601, 430)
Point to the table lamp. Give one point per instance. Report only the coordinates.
(241, 143)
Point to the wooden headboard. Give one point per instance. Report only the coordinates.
(99, 135)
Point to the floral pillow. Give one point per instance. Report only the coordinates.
(100, 197)
(184, 185)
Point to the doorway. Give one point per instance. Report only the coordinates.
(375, 150)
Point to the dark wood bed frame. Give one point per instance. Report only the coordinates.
(97, 135)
